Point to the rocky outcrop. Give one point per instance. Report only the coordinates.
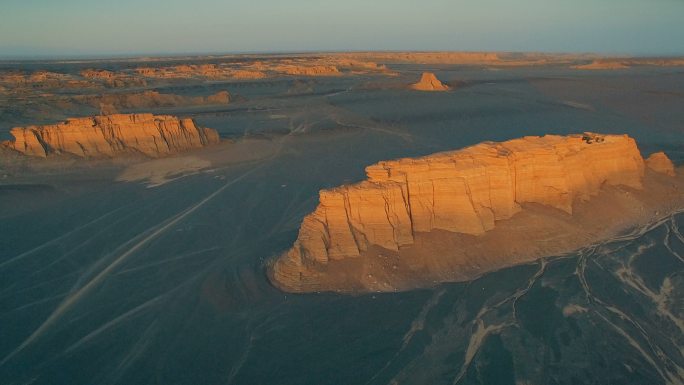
(629, 62)
(466, 192)
(659, 162)
(306, 70)
(112, 135)
(309, 66)
(429, 82)
(247, 75)
(41, 80)
(211, 71)
(98, 74)
(433, 57)
(465, 58)
(225, 72)
(112, 79)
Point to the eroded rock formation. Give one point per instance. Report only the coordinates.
(429, 82)
(659, 162)
(466, 193)
(41, 80)
(113, 79)
(310, 66)
(629, 62)
(314, 70)
(465, 58)
(112, 135)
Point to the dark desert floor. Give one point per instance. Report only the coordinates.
(117, 272)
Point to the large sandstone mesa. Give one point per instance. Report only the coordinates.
(455, 215)
(112, 135)
(429, 82)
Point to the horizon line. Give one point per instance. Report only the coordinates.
(220, 54)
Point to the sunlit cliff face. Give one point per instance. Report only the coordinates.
(108, 136)
(468, 192)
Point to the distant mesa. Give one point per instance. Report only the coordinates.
(119, 102)
(247, 75)
(629, 62)
(453, 216)
(112, 79)
(315, 70)
(429, 82)
(208, 71)
(41, 80)
(438, 57)
(487, 59)
(98, 74)
(113, 102)
(112, 135)
(603, 65)
(314, 66)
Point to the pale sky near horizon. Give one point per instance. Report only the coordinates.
(124, 27)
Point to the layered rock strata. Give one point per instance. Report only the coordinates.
(112, 135)
(467, 193)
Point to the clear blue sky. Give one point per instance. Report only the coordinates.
(95, 27)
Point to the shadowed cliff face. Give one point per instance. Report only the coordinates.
(427, 213)
(112, 135)
(111, 103)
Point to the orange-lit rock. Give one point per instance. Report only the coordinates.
(659, 162)
(433, 57)
(98, 74)
(42, 80)
(404, 204)
(247, 74)
(429, 82)
(466, 191)
(465, 58)
(113, 79)
(298, 65)
(305, 70)
(112, 135)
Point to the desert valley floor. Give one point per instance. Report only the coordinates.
(154, 271)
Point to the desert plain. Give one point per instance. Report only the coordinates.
(148, 257)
